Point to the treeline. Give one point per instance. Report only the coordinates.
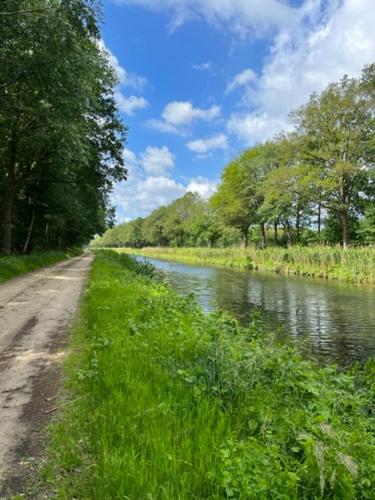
(188, 221)
(61, 137)
(315, 184)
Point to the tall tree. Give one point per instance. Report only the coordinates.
(58, 120)
(333, 131)
(231, 200)
(240, 195)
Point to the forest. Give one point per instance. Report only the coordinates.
(312, 185)
(61, 137)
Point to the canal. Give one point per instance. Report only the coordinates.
(334, 322)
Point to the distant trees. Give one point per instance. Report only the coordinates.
(315, 184)
(188, 221)
(61, 138)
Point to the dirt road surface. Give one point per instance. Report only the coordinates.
(35, 312)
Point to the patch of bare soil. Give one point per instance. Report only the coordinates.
(36, 311)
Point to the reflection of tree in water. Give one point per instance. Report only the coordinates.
(331, 321)
(230, 293)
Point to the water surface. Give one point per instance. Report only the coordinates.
(336, 321)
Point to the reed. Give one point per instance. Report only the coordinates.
(355, 265)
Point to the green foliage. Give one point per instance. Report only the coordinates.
(367, 225)
(232, 201)
(333, 134)
(11, 266)
(61, 147)
(186, 221)
(313, 185)
(356, 265)
(167, 402)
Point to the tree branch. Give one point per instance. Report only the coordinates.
(30, 11)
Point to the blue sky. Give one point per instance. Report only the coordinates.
(201, 80)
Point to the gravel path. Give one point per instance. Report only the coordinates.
(35, 312)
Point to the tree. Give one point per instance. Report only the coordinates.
(154, 232)
(286, 189)
(203, 227)
(178, 217)
(61, 136)
(333, 131)
(231, 201)
(240, 195)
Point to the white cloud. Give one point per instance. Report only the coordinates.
(252, 128)
(341, 42)
(178, 115)
(129, 157)
(204, 146)
(183, 113)
(149, 185)
(207, 66)
(140, 198)
(165, 127)
(157, 161)
(333, 39)
(125, 77)
(238, 15)
(202, 186)
(126, 104)
(130, 104)
(242, 80)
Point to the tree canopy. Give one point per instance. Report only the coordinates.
(314, 184)
(62, 139)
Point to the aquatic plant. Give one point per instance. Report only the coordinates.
(356, 265)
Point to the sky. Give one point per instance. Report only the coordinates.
(201, 80)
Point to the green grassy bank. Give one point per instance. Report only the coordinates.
(15, 265)
(356, 265)
(165, 402)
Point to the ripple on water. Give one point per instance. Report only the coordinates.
(335, 320)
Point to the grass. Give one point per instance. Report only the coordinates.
(170, 403)
(15, 265)
(355, 265)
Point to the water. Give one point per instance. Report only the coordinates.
(335, 321)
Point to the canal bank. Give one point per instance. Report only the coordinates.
(354, 265)
(167, 402)
(332, 321)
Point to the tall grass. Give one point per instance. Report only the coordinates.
(14, 265)
(170, 403)
(356, 265)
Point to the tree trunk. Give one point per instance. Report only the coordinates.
(345, 228)
(319, 217)
(288, 233)
(29, 233)
(8, 206)
(298, 222)
(9, 197)
(275, 236)
(244, 237)
(263, 232)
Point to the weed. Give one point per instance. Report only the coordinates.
(20, 264)
(172, 403)
(356, 265)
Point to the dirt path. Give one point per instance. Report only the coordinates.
(35, 312)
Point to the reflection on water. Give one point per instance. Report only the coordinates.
(336, 320)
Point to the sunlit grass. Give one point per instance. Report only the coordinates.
(14, 265)
(356, 265)
(170, 403)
